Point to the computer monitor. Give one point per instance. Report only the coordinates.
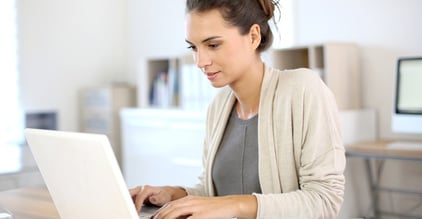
(407, 115)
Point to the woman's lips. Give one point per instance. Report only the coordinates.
(211, 75)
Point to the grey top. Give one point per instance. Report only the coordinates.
(235, 168)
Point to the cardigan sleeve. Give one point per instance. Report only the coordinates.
(319, 196)
(318, 152)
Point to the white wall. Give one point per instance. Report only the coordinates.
(66, 45)
(384, 30)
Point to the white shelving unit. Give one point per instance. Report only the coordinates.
(99, 111)
(177, 83)
(337, 64)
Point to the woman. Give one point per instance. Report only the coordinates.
(272, 147)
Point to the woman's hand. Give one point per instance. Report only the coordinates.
(155, 195)
(194, 207)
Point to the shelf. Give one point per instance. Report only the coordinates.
(336, 63)
(99, 111)
(177, 83)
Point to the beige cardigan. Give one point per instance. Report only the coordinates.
(301, 154)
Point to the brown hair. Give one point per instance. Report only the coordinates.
(242, 14)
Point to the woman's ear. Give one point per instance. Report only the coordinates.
(255, 35)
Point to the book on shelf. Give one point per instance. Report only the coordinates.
(164, 90)
(175, 83)
(196, 91)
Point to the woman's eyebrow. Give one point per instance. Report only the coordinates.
(205, 40)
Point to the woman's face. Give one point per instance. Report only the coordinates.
(223, 54)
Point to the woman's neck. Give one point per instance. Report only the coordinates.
(248, 92)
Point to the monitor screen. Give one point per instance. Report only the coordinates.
(407, 117)
(409, 86)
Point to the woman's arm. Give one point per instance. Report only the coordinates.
(197, 207)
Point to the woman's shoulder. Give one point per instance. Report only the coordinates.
(302, 74)
(294, 78)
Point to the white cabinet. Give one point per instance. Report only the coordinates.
(162, 146)
(99, 111)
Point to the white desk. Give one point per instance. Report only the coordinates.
(29, 203)
(17, 167)
(380, 150)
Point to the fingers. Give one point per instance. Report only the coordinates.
(135, 191)
(150, 194)
(138, 196)
(194, 207)
(179, 209)
(159, 198)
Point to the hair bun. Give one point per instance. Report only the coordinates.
(268, 7)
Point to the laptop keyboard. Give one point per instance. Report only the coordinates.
(145, 216)
(147, 212)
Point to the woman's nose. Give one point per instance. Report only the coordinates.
(202, 60)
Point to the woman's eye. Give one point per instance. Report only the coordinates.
(193, 48)
(214, 45)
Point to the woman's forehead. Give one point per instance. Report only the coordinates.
(201, 25)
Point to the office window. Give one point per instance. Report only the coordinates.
(10, 114)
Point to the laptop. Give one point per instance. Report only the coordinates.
(82, 175)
